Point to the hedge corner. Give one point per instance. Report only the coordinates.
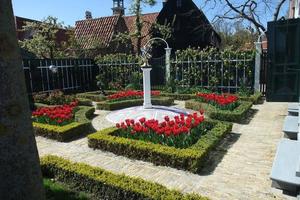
(236, 115)
(191, 159)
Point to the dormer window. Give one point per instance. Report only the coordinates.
(179, 3)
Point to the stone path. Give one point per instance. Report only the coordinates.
(238, 169)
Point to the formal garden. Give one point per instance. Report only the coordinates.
(194, 113)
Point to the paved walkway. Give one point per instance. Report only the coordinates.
(238, 169)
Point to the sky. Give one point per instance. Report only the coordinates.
(70, 11)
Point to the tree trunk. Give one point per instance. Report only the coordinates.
(138, 26)
(20, 174)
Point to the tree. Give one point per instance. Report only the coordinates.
(250, 10)
(44, 40)
(235, 35)
(20, 172)
(136, 10)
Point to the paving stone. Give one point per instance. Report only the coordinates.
(242, 173)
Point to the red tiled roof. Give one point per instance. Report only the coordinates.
(102, 29)
(148, 20)
(96, 30)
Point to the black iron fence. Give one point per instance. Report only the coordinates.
(70, 75)
(227, 75)
(80, 74)
(263, 72)
(119, 72)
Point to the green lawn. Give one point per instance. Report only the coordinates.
(59, 191)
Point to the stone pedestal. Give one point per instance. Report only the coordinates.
(168, 63)
(147, 87)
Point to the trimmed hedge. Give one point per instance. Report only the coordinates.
(62, 134)
(255, 98)
(84, 102)
(40, 105)
(116, 105)
(94, 96)
(235, 115)
(181, 97)
(80, 127)
(84, 114)
(106, 185)
(191, 159)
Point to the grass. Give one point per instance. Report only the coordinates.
(59, 191)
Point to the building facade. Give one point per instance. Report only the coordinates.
(189, 25)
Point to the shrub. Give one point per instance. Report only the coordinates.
(55, 97)
(254, 98)
(84, 114)
(235, 115)
(84, 102)
(191, 159)
(94, 96)
(61, 133)
(106, 105)
(175, 96)
(106, 185)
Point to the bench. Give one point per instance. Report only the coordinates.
(290, 127)
(293, 109)
(286, 167)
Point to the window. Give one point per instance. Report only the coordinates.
(179, 3)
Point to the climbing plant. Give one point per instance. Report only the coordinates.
(118, 69)
(213, 68)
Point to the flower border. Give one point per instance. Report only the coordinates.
(236, 115)
(191, 159)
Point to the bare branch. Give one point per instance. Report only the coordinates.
(277, 9)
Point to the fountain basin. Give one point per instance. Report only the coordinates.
(156, 112)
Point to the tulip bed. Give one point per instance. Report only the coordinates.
(182, 132)
(129, 94)
(116, 105)
(235, 115)
(79, 126)
(106, 185)
(191, 158)
(56, 115)
(220, 101)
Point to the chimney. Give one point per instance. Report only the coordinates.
(164, 2)
(118, 7)
(88, 15)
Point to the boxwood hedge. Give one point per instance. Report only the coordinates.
(94, 96)
(80, 127)
(106, 105)
(181, 97)
(255, 98)
(191, 159)
(106, 185)
(235, 115)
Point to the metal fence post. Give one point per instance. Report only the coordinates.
(257, 66)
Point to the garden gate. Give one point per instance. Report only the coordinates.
(284, 67)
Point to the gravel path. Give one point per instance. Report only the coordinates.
(238, 169)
